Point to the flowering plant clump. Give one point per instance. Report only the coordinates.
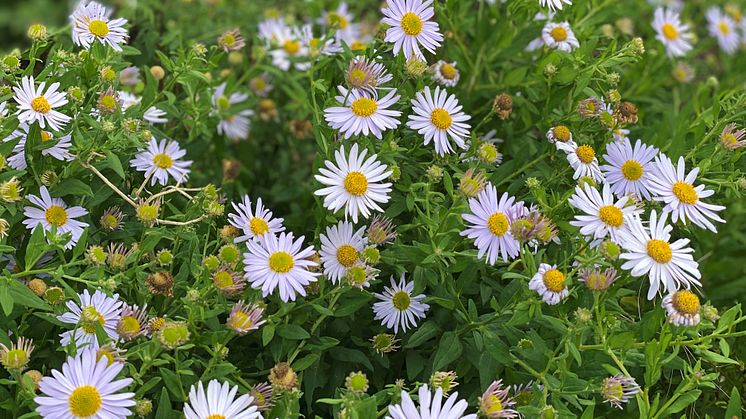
(400, 209)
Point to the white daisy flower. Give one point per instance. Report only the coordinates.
(85, 389)
(431, 406)
(354, 183)
(445, 73)
(603, 216)
(674, 35)
(159, 160)
(219, 402)
(398, 308)
(287, 44)
(274, 262)
(723, 28)
(253, 223)
(235, 126)
(410, 27)
(559, 134)
(59, 151)
(36, 104)
(559, 36)
(491, 219)
(672, 186)
(554, 4)
(91, 22)
(94, 311)
(583, 159)
(649, 252)
(341, 20)
(682, 307)
(549, 283)
(630, 168)
(340, 249)
(363, 113)
(438, 117)
(49, 212)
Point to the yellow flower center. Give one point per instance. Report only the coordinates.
(685, 192)
(559, 34)
(357, 45)
(401, 300)
(336, 20)
(110, 221)
(561, 133)
(281, 262)
(660, 251)
(216, 416)
(258, 226)
(163, 161)
(223, 103)
(103, 353)
(356, 183)
(729, 139)
(441, 119)
(229, 39)
(223, 279)
(611, 215)
(239, 320)
(498, 224)
(291, 47)
(724, 28)
(45, 136)
(411, 24)
(685, 301)
(108, 103)
(614, 392)
(56, 215)
(89, 318)
(447, 71)
(98, 28)
(364, 106)
(14, 358)
(85, 401)
(357, 77)
(41, 105)
(494, 404)
(259, 83)
(554, 280)
(346, 255)
(129, 325)
(585, 154)
(669, 31)
(632, 170)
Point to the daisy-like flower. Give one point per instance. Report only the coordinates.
(341, 20)
(354, 183)
(630, 169)
(253, 223)
(618, 390)
(682, 307)
(554, 4)
(91, 22)
(38, 104)
(261, 85)
(58, 151)
(245, 318)
(274, 262)
(723, 28)
(398, 308)
(287, 44)
(649, 252)
(159, 160)
(219, 402)
(495, 402)
(583, 159)
(674, 187)
(731, 138)
(366, 74)
(439, 117)
(85, 389)
(235, 125)
(445, 73)
(559, 36)
(132, 322)
(363, 113)
(490, 219)
(340, 249)
(549, 283)
(231, 40)
(17, 357)
(603, 215)
(431, 406)
(410, 27)
(560, 134)
(683, 73)
(94, 311)
(674, 35)
(53, 212)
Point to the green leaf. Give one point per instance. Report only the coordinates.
(292, 332)
(25, 297)
(36, 247)
(717, 358)
(268, 332)
(71, 186)
(425, 332)
(734, 405)
(449, 349)
(305, 362)
(164, 406)
(114, 164)
(681, 403)
(6, 301)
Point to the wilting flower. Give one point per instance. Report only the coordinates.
(495, 402)
(283, 377)
(384, 343)
(683, 308)
(231, 40)
(357, 383)
(133, 322)
(618, 390)
(17, 357)
(262, 394)
(245, 318)
(731, 138)
(598, 280)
